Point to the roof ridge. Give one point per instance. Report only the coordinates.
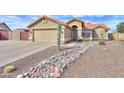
(77, 19)
(49, 18)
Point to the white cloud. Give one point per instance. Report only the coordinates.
(34, 17)
(78, 16)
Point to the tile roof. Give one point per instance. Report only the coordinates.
(86, 24)
(93, 26)
(75, 19)
(51, 19)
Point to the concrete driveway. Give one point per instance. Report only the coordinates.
(13, 50)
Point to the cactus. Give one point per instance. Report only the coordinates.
(58, 36)
(102, 39)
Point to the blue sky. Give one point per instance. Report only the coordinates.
(21, 21)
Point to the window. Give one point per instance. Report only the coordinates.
(86, 33)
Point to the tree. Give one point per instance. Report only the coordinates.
(58, 36)
(120, 27)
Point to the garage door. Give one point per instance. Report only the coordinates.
(24, 35)
(16, 35)
(4, 35)
(45, 35)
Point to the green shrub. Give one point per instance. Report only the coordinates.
(102, 42)
(9, 69)
(87, 40)
(121, 40)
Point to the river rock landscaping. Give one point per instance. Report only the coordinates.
(97, 63)
(54, 66)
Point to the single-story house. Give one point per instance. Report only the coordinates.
(45, 30)
(5, 32)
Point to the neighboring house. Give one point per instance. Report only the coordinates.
(21, 30)
(5, 32)
(20, 34)
(45, 30)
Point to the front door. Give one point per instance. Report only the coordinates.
(74, 35)
(74, 32)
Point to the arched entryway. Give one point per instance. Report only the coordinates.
(74, 32)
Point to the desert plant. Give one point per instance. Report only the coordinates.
(58, 36)
(102, 39)
(9, 69)
(87, 40)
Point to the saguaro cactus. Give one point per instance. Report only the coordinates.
(58, 36)
(102, 39)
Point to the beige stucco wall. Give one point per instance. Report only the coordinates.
(99, 30)
(41, 24)
(121, 36)
(67, 35)
(118, 36)
(115, 36)
(79, 24)
(47, 32)
(30, 35)
(16, 35)
(10, 35)
(43, 31)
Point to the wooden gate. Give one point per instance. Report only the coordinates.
(24, 35)
(4, 35)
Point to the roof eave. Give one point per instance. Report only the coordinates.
(74, 20)
(48, 18)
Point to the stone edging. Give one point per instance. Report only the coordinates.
(55, 65)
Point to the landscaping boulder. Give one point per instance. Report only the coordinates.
(105, 49)
(9, 69)
(20, 76)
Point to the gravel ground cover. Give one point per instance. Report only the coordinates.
(26, 63)
(57, 64)
(29, 63)
(97, 63)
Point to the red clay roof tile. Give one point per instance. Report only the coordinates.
(51, 19)
(93, 26)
